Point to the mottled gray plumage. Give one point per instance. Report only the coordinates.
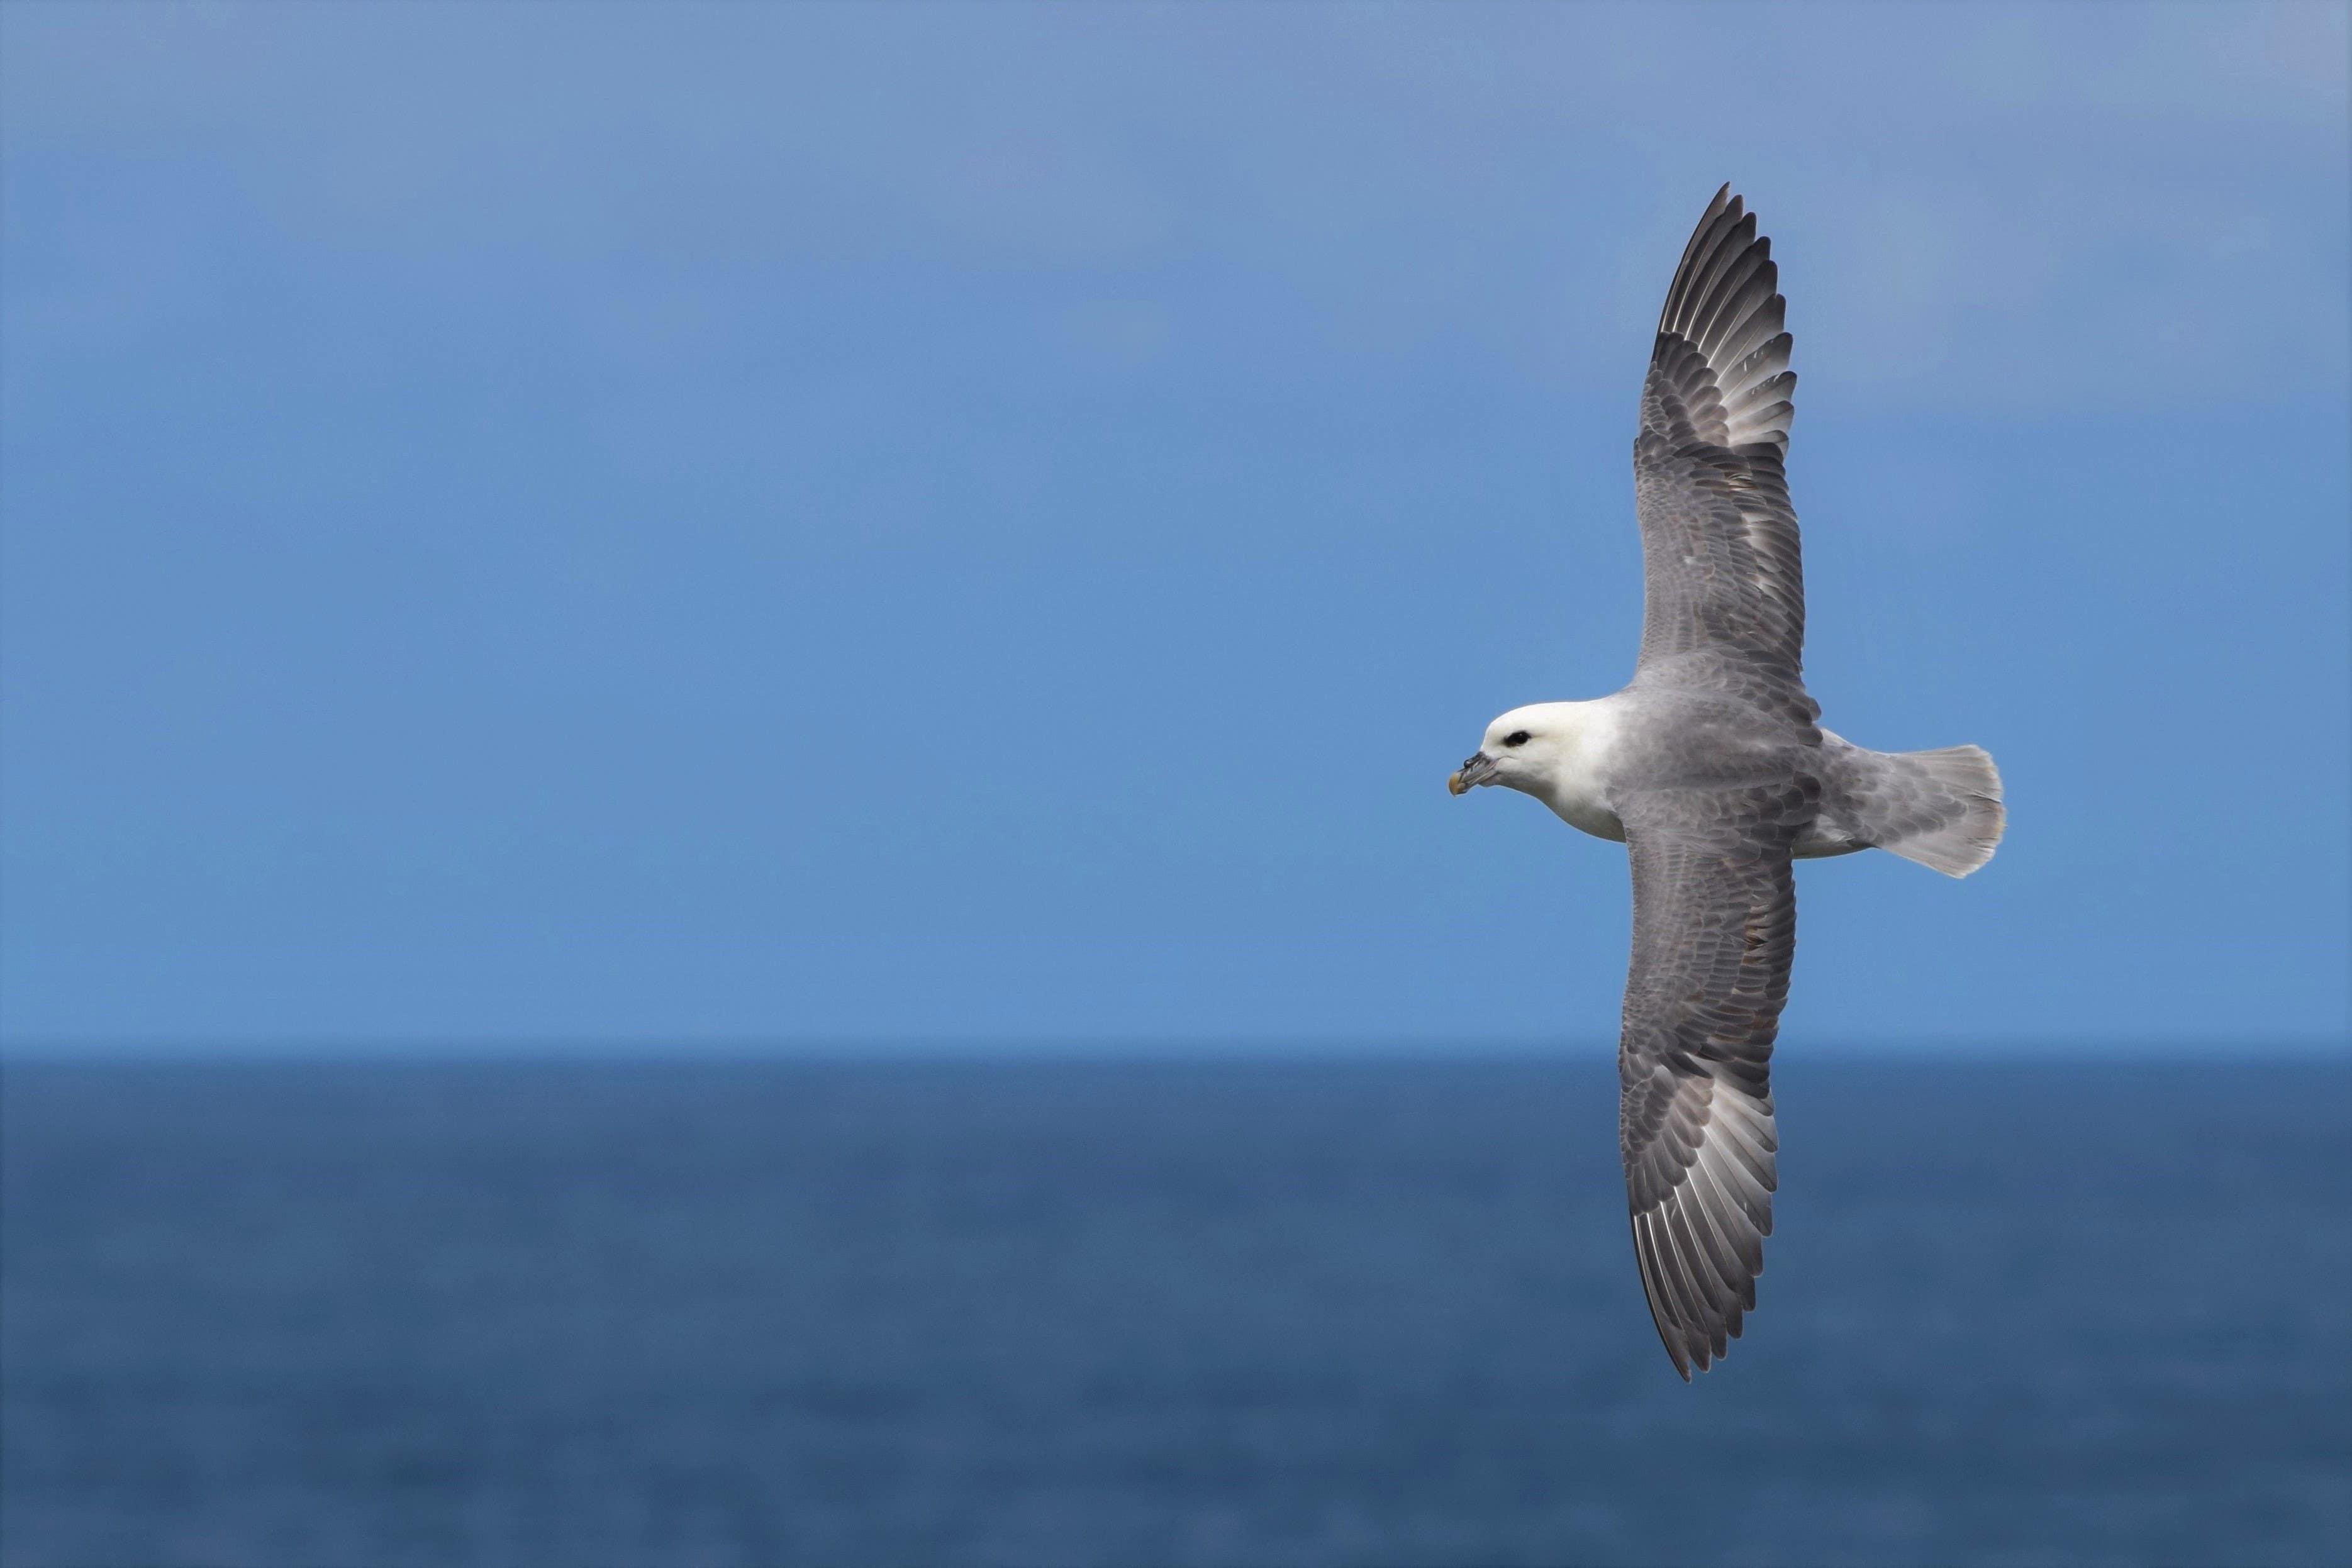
(1713, 768)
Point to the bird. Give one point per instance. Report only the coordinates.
(1711, 767)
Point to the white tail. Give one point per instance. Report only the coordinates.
(1942, 808)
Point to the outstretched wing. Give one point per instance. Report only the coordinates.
(1715, 927)
(1723, 578)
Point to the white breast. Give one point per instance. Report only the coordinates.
(1584, 810)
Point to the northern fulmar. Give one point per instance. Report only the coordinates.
(1713, 770)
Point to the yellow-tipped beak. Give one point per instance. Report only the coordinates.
(1479, 769)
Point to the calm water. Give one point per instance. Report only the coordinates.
(1240, 1313)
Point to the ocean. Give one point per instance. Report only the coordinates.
(707, 1312)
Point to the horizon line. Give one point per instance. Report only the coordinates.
(2299, 1047)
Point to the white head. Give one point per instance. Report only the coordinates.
(1536, 748)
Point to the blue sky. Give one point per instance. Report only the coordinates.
(615, 523)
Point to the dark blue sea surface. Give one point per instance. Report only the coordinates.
(1180, 1313)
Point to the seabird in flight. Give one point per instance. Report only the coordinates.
(1714, 771)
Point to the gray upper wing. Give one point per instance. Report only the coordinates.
(1725, 591)
(1715, 927)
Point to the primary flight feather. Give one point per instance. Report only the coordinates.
(1712, 769)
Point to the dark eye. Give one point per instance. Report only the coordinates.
(1517, 737)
